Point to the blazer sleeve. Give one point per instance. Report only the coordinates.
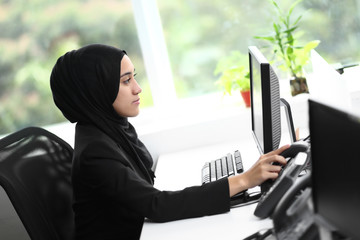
(111, 176)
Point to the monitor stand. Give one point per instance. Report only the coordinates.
(286, 105)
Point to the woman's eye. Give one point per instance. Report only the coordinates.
(127, 81)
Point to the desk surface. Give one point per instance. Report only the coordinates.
(239, 222)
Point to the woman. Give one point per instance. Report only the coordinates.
(95, 86)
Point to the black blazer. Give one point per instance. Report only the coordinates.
(112, 195)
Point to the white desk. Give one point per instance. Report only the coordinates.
(240, 222)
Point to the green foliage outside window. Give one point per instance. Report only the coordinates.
(35, 33)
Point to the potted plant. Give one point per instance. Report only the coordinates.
(283, 42)
(234, 75)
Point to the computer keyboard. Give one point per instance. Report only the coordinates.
(226, 166)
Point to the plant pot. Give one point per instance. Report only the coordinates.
(246, 97)
(298, 85)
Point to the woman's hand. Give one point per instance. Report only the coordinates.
(262, 170)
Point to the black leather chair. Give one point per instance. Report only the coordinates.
(35, 172)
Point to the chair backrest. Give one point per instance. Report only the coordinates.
(35, 172)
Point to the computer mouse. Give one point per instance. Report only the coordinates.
(294, 149)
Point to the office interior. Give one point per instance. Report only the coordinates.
(192, 126)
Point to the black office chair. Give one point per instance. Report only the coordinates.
(35, 167)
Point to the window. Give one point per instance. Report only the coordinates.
(199, 33)
(35, 33)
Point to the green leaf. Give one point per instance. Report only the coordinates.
(297, 20)
(269, 38)
(290, 29)
(311, 45)
(276, 27)
(276, 7)
(293, 6)
(289, 50)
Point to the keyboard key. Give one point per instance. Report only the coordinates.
(212, 171)
(238, 162)
(230, 164)
(224, 167)
(206, 173)
(218, 169)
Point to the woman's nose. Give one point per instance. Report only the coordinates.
(137, 89)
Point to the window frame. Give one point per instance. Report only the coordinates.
(154, 51)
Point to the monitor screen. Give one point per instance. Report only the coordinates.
(265, 102)
(335, 167)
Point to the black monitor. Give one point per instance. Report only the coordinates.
(335, 150)
(265, 102)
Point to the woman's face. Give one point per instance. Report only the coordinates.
(127, 101)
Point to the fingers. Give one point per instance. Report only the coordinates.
(273, 171)
(274, 168)
(278, 151)
(270, 158)
(279, 159)
(297, 134)
(273, 175)
(264, 168)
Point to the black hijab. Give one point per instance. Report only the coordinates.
(84, 84)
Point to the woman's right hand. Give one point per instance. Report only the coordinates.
(262, 170)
